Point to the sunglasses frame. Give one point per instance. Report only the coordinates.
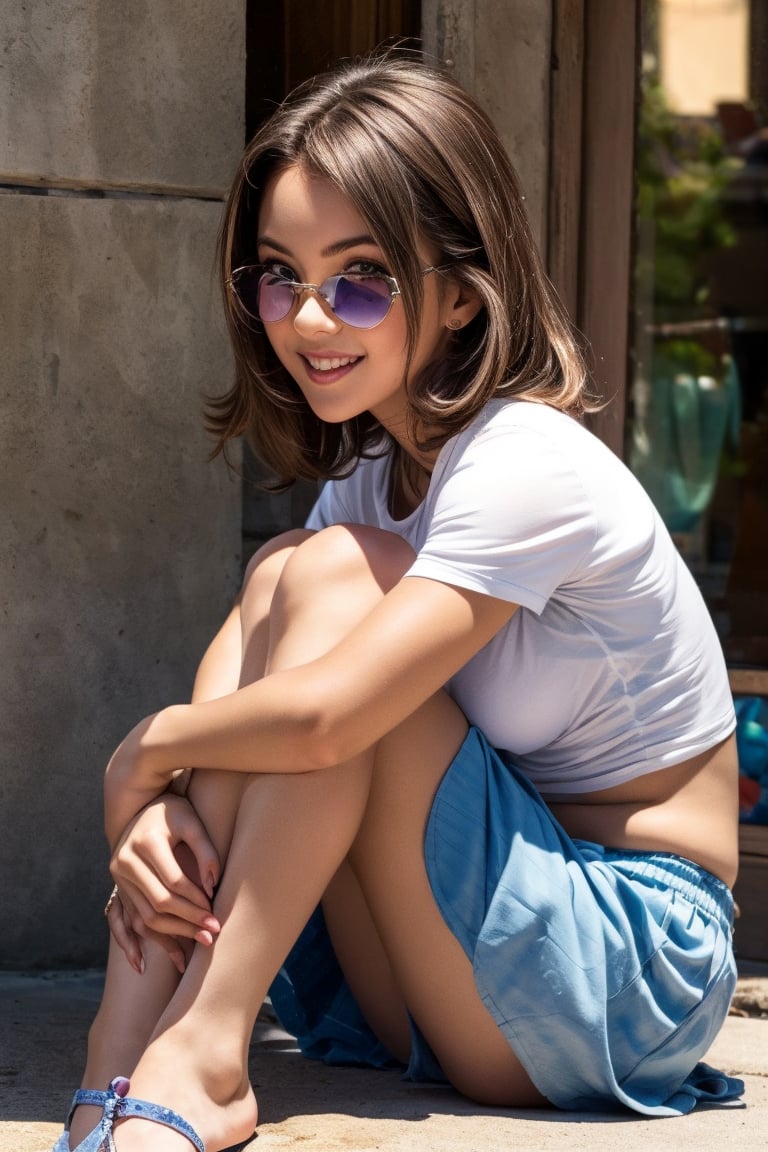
(298, 288)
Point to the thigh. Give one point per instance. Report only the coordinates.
(363, 960)
(394, 945)
(431, 970)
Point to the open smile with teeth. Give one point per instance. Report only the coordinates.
(327, 365)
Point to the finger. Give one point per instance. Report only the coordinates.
(174, 865)
(158, 837)
(124, 936)
(193, 849)
(179, 951)
(198, 857)
(160, 892)
(150, 918)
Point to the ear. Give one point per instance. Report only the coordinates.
(462, 304)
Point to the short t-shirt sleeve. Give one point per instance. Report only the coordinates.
(510, 518)
(328, 508)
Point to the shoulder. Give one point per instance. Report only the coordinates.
(522, 430)
(526, 422)
(531, 496)
(519, 453)
(360, 497)
(508, 511)
(549, 461)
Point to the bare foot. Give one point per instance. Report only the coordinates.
(84, 1121)
(134, 1135)
(220, 1106)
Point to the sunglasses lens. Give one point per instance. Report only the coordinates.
(362, 303)
(246, 287)
(274, 298)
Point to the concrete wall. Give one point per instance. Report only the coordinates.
(120, 126)
(500, 50)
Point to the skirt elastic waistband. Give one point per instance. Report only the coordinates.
(665, 869)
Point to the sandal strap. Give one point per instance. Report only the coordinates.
(118, 1105)
(85, 1096)
(146, 1110)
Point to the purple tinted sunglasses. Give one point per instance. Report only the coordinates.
(361, 300)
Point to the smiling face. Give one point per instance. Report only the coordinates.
(309, 231)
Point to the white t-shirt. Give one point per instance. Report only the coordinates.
(611, 666)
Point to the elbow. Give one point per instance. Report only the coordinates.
(328, 732)
(324, 747)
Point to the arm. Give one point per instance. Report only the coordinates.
(217, 676)
(165, 850)
(320, 713)
(404, 647)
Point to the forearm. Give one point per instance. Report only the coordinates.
(218, 674)
(268, 726)
(321, 713)
(254, 729)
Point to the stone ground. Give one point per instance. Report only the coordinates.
(306, 1107)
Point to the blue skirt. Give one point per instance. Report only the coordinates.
(609, 972)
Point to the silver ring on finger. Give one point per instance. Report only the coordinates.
(114, 895)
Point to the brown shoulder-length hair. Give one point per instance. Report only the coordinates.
(421, 162)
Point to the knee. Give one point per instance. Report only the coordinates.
(270, 559)
(346, 554)
(265, 567)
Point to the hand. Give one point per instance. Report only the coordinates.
(135, 775)
(166, 869)
(121, 915)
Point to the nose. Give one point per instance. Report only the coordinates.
(313, 314)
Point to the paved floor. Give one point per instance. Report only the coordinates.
(306, 1107)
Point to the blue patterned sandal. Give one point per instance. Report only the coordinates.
(118, 1105)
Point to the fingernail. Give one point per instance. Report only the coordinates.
(205, 938)
(210, 885)
(178, 961)
(142, 965)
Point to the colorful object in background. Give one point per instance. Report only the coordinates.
(752, 744)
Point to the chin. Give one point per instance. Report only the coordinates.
(333, 412)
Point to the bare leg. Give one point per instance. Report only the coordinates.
(132, 1004)
(291, 836)
(429, 965)
(360, 952)
(402, 953)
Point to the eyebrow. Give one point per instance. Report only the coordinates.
(332, 250)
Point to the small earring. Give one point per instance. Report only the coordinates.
(454, 324)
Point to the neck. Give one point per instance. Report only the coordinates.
(409, 481)
(409, 449)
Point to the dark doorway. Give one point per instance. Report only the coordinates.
(288, 41)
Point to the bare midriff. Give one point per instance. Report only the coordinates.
(689, 809)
